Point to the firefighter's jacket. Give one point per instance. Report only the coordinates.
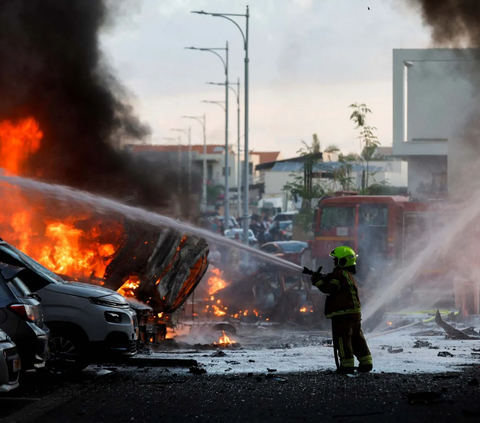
(341, 287)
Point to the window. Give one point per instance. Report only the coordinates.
(334, 217)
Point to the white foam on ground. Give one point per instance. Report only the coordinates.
(321, 358)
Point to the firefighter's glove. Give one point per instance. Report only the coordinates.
(317, 277)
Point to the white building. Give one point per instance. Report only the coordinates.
(432, 100)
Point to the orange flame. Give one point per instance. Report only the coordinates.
(217, 311)
(129, 287)
(57, 244)
(17, 142)
(215, 282)
(303, 310)
(224, 340)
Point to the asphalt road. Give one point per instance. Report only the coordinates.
(155, 394)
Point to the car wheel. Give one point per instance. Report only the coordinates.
(66, 354)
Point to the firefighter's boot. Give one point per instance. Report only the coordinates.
(366, 364)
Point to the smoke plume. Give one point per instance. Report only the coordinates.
(53, 70)
(454, 23)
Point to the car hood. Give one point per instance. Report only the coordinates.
(85, 290)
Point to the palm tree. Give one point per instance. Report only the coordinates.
(332, 148)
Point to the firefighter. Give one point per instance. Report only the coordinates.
(342, 306)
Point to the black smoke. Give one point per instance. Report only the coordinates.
(51, 68)
(454, 23)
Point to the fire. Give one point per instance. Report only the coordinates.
(64, 245)
(217, 311)
(17, 142)
(215, 282)
(389, 323)
(129, 287)
(303, 310)
(224, 340)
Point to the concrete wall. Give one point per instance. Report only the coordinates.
(432, 100)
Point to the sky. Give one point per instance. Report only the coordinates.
(309, 60)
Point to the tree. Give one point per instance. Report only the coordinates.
(367, 137)
(332, 148)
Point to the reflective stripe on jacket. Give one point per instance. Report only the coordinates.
(341, 288)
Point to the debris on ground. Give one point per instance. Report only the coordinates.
(271, 370)
(445, 354)
(392, 350)
(473, 382)
(197, 370)
(421, 344)
(218, 354)
(450, 330)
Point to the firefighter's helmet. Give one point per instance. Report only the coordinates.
(345, 255)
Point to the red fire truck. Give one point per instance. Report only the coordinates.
(385, 231)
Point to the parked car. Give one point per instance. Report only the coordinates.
(86, 321)
(287, 228)
(9, 363)
(22, 319)
(232, 233)
(281, 217)
(293, 251)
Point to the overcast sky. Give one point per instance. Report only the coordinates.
(309, 59)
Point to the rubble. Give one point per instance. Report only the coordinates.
(421, 344)
(445, 354)
(391, 350)
(450, 330)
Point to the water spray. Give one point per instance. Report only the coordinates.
(104, 205)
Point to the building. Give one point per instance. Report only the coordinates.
(179, 153)
(433, 98)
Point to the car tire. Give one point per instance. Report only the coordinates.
(67, 352)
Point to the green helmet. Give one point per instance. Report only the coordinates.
(345, 255)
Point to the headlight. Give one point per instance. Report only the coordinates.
(113, 317)
(108, 303)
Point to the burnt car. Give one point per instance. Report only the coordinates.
(293, 251)
(21, 317)
(9, 363)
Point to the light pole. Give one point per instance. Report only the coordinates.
(225, 65)
(178, 139)
(202, 120)
(188, 133)
(239, 173)
(246, 185)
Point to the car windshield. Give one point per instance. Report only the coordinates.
(31, 264)
(287, 225)
(293, 247)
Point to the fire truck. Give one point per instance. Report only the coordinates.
(387, 232)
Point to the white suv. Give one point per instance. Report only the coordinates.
(86, 322)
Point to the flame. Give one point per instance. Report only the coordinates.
(215, 282)
(59, 243)
(389, 323)
(129, 287)
(224, 340)
(217, 311)
(17, 142)
(255, 312)
(303, 310)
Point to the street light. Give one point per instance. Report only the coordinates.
(202, 120)
(239, 183)
(225, 65)
(178, 139)
(246, 60)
